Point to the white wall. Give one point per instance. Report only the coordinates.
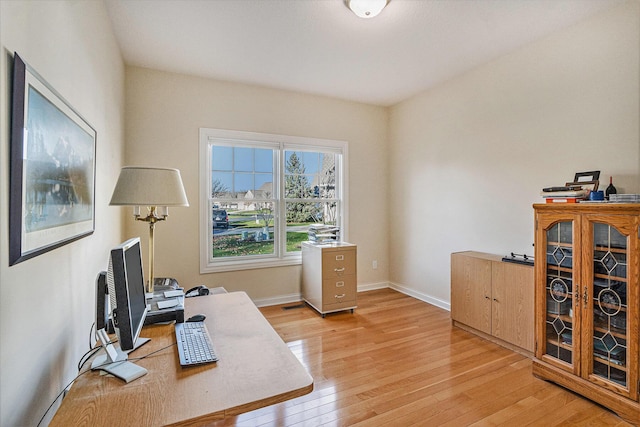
(469, 157)
(164, 113)
(47, 303)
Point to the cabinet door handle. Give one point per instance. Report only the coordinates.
(486, 297)
(340, 296)
(339, 257)
(338, 270)
(339, 284)
(496, 300)
(585, 297)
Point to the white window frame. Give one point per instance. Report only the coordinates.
(280, 143)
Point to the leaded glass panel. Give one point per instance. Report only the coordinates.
(609, 299)
(559, 286)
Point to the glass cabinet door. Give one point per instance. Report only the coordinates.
(560, 335)
(609, 304)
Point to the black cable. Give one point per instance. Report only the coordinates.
(85, 357)
(93, 350)
(153, 352)
(91, 335)
(89, 370)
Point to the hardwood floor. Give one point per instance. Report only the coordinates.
(397, 361)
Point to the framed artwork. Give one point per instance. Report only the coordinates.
(52, 170)
(586, 176)
(586, 185)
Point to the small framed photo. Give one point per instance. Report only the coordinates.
(586, 185)
(52, 171)
(586, 176)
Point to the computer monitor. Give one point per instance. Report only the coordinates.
(125, 287)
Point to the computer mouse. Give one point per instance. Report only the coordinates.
(197, 318)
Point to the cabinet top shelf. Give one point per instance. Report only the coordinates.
(603, 208)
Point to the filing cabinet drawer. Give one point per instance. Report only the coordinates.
(338, 290)
(338, 263)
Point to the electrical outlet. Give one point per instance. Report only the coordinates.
(375, 264)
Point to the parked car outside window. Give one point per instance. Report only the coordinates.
(220, 218)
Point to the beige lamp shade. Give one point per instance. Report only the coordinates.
(144, 186)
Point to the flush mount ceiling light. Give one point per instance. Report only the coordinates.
(366, 8)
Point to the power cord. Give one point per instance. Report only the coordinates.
(89, 370)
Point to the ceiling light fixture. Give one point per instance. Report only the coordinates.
(366, 8)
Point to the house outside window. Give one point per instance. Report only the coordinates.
(260, 193)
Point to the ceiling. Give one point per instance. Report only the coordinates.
(321, 47)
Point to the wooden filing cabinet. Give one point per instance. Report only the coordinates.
(329, 280)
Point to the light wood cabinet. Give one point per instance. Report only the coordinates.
(588, 300)
(329, 278)
(493, 298)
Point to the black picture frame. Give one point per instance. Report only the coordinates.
(586, 176)
(52, 168)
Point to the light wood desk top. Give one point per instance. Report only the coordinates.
(256, 369)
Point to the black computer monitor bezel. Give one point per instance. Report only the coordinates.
(128, 299)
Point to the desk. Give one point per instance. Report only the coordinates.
(256, 369)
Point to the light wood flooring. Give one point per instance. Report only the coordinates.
(397, 361)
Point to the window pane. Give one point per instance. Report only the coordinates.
(248, 231)
(221, 184)
(264, 186)
(243, 182)
(297, 185)
(263, 160)
(221, 158)
(310, 175)
(243, 159)
(301, 215)
(326, 180)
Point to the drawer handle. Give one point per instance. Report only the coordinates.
(340, 296)
(339, 284)
(339, 257)
(338, 270)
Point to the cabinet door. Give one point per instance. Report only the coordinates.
(471, 291)
(512, 309)
(610, 284)
(557, 320)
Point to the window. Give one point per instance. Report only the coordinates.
(260, 193)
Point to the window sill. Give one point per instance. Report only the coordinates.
(223, 266)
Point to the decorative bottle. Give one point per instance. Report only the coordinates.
(610, 189)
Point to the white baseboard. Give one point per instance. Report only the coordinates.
(280, 299)
(291, 298)
(422, 297)
(372, 286)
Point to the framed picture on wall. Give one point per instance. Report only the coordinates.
(52, 170)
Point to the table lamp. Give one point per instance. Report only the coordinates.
(155, 188)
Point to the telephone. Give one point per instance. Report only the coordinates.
(197, 291)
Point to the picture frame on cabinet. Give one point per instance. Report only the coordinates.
(586, 185)
(581, 177)
(52, 169)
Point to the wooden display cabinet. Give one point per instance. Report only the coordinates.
(493, 298)
(587, 301)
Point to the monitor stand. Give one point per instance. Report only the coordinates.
(114, 361)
